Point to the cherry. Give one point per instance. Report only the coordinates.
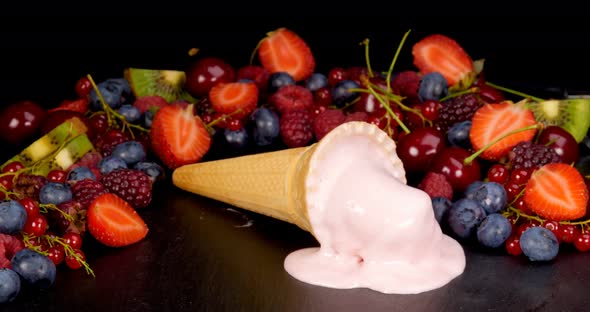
(367, 103)
(83, 87)
(206, 72)
(72, 262)
(36, 225)
(582, 241)
(490, 95)
(451, 163)
(513, 245)
(57, 175)
(20, 121)
(336, 75)
(498, 173)
(56, 254)
(564, 144)
(13, 166)
(73, 239)
(419, 148)
(567, 233)
(30, 206)
(322, 97)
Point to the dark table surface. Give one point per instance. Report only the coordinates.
(202, 255)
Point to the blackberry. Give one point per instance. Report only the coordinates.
(85, 191)
(457, 109)
(134, 186)
(526, 155)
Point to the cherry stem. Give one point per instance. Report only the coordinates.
(388, 108)
(469, 159)
(527, 216)
(521, 94)
(366, 44)
(394, 60)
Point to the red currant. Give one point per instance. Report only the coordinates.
(336, 75)
(73, 239)
(72, 262)
(207, 117)
(513, 245)
(525, 226)
(57, 175)
(99, 123)
(522, 206)
(6, 181)
(322, 97)
(498, 173)
(520, 176)
(13, 166)
(568, 233)
(235, 124)
(512, 191)
(36, 225)
(30, 206)
(430, 109)
(553, 226)
(582, 241)
(83, 87)
(56, 254)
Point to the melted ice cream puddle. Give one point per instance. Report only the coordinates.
(374, 230)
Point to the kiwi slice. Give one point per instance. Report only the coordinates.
(66, 156)
(168, 84)
(571, 114)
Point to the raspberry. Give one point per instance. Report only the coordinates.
(9, 246)
(85, 191)
(144, 103)
(296, 128)
(527, 155)
(357, 116)
(326, 121)
(406, 83)
(292, 97)
(134, 186)
(457, 109)
(436, 185)
(258, 74)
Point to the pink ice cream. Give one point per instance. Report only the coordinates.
(374, 230)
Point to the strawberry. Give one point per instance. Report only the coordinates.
(79, 105)
(228, 98)
(113, 222)
(492, 121)
(557, 191)
(178, 137)
(282, 50)
(439, 53)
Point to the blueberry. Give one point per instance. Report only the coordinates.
(472, 187)
(148, 118)
(12, 217)
(152, 169)
(246, 80)
(130, 151)
(464, 216)
(341, 94)
(9, 285)
(54, 193)
(278, 80)
(236, 138)
(539, 244)
(111, 163)
(115, 92)
(35, 268)
(494, 230)
(490, 195)
(458, 134)
(81, 173)
(433, 86)
(130, 112)
(316, 81)
(440, 205)
(266, 126)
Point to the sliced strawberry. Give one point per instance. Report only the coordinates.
(178, 137)
(228, 98)
(147, 102)
(491, 121)
(113, 222)
(283, 50)
(79, 105)
(439, 53)
(557, 191)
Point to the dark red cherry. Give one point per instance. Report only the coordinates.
(20, 121)
(564, 144)
(206, 72)
(490, 95)
(418, 148)
(450, 162)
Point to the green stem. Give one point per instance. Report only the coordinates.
(456, 94)
(469, 159)
(521, 94)
(388, 109)
(399, 48)
(366, 44)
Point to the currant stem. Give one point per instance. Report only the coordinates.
(44, 208)
(521, 94)
(399, 48)
(69, 252)
(469, 159)
(366, 44)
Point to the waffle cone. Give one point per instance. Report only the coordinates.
(275, 184)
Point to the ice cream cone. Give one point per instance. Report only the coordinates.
(275, 183)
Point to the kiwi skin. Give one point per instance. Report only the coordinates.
(571, 114)
(169, 84)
